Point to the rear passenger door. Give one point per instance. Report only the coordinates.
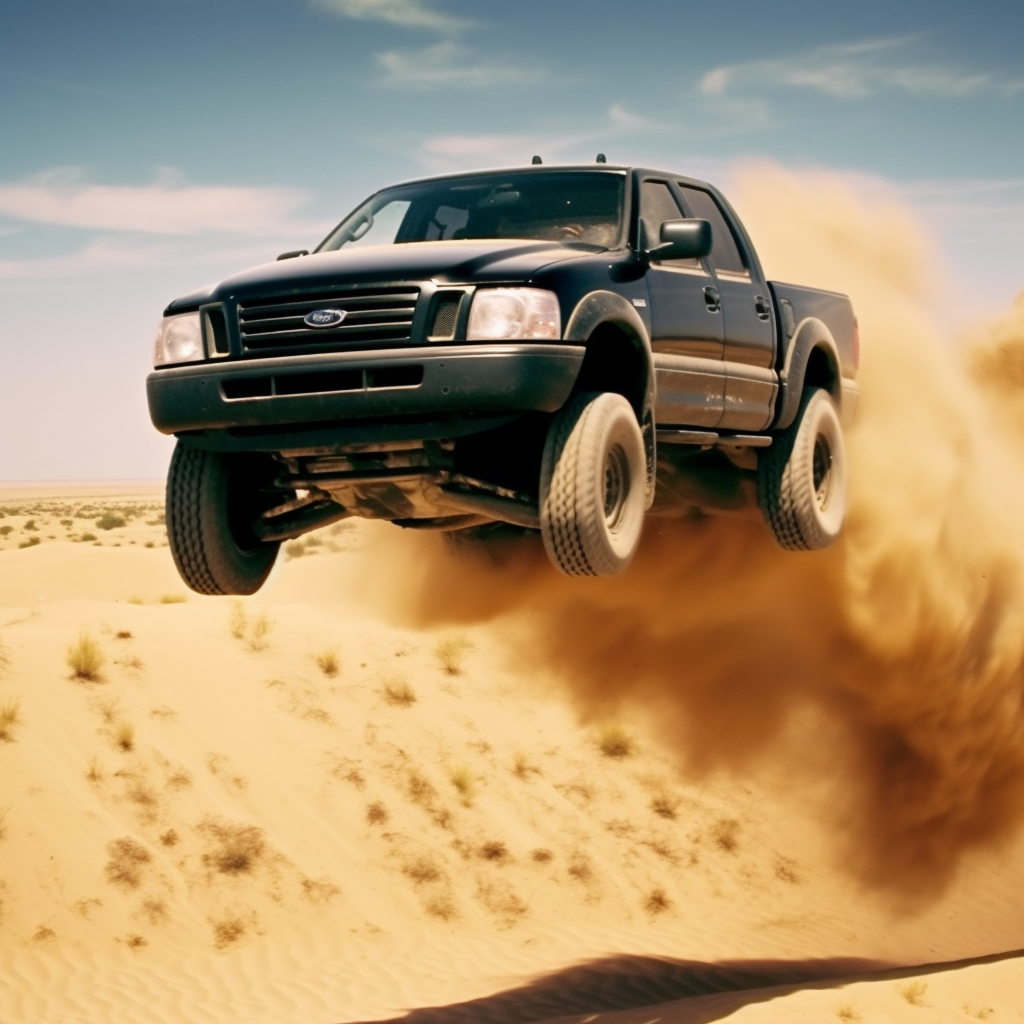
(749, 335)
(686, 322)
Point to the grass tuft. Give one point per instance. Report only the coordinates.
(86, 659)
(657, 902)
(398, 693)
(913, 992)
(665, 807)
(725, 835)
(494, 851)
(239, 621)
(125, 863)
(542, 856)
(110, 521)
(327, 662)
(376, 813)
(227, 931)
(173, 598)
(10, 718)
(450, 653)
(238, 848)
(462, 779)
(615, 742)
(124, 736)
(847, 1012)
(259, 632)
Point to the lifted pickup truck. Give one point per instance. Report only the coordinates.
(562, 349)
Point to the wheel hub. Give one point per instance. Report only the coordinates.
(616, 485)
(822, 472)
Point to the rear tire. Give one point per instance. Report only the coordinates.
(592, 486)
(802, 477)
(212, 498)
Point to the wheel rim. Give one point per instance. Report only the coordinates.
(822, 472)
(616, 485)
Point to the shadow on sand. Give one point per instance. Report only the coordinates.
(659, 990)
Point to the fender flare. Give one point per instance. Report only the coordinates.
(811, 335)
(604, 307)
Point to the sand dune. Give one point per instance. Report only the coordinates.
(731, 784)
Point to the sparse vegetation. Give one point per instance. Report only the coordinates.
(615, 742)
(978, 1012)
(376, 813)
(124, 736)
(30, 543)
(442, 908)
(85, 538)
(110, 521)
(135, 941)
(523, 768)
(462, 779)
(237, 848)
(239, 620)
(169, 838)
(494, 851)
(656, 902)
(914, 991)
(94, 773)
(123, 634)
(173, 598)
(398, 693)
(126, 861)
(327, 662)
(580, 868)
(259, 632)
(422, 870)
(319, 890)
(847, 1012)
(665, 807)
(227, 931)
(450, 653)
(725, 835)
(10, 719)
(86, 659)
(541, 855)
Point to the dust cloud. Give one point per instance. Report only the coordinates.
(900, 650)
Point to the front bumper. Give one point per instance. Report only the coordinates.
(290, 392)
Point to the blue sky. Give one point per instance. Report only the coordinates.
(150, 146)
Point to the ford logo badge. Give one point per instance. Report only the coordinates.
(324, 318)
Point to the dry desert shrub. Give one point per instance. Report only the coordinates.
(420, 789)
(124, 736)
(501, 900)
(44, 934)
(135, 941)
(542, 855)
(94, 773)
(523, 768)
(259, 632)
(913, 992)
(376, 813)
(398, 693)
(237, 849)
(580, 868)
(978, 1012)
(665, 806)
(462, 779)
(86, 659)
(110, 521)
(785, 871)
(227, 931)
(173, 598)
(125, 863)
(10, 718)
(180, 778)
(442, 908)
(239, 621)
(494, 851)
(143, 795)
(319, 890)
(123, 634)
(422, 871)
(450, 653)
(169, 838)
(656, 902)
(847, 1012)
(154, 910)
(327, 662)
(164, 712)
(725, 835)
(615, 742)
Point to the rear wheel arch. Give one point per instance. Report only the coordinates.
(812, 361)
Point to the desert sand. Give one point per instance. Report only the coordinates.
(404, 784)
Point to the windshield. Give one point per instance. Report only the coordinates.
(557, 206)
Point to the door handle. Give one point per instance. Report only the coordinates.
(764, 311)
(713, 300)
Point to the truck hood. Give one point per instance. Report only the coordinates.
(457, 262)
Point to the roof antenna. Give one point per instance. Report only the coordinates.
(536, 160)
(601, 158)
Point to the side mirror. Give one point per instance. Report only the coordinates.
(682, 240)
(292, 253)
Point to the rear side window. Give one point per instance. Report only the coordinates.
(725, 253)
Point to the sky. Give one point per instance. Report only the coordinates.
(148, 147)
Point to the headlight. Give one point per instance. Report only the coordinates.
(502, 314)
(179, 339)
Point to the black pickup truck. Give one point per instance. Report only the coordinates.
(562, 349)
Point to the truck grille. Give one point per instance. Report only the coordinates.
(372, 318)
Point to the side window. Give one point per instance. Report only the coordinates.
(657, 205)
(726, 254)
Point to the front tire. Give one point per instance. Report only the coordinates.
(802, 477)
(212, 498)
(592, 486)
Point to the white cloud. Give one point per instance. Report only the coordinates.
(446, 65)
(854, 71)
(412, 14)
(169, 207)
